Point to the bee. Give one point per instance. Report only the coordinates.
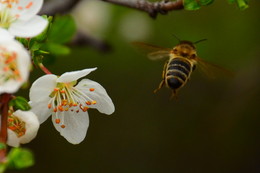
(182, 61)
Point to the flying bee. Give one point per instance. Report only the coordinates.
(182, 61)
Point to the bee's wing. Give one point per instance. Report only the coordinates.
(213, 70)
(153, 52)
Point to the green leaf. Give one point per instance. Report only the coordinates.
(24, 41)
(2, 167)
(2, 146)
(56, 49)
(20, 158)
(191, 5)
(242, 4)
(20, 103)
(231, 1)
(205, 2)
(62, 29)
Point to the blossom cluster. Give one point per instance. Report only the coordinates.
(63, 98)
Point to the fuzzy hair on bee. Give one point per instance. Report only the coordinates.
(182, 61)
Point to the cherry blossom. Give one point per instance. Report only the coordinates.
(14, 63)
(22, 127)
(20, 19)
(68, 101)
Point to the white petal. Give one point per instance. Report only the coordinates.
(76, 126)
(31, 125)
(104, 103)
(5, 35)
(30, 28)
(26, 9)
(39, 96)
(74, 75)
(23, 64)
(12, 139)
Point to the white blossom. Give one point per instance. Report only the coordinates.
(22, 127)
(14, 63)
(20, 19)
(67, 101)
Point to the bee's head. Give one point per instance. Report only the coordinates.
(185, 49)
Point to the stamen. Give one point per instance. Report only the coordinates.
(29, 5)
(57, 121)
(91, 89)
(63, 126)
(88, 102)
(94, 102)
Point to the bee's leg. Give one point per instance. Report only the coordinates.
(163, 76)
(174, 95)
(160, 86)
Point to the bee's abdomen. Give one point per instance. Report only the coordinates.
(177, 73)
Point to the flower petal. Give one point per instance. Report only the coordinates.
(31, 125)
(104, 103)
(5, 36)
(76, 125)
(30, 28)
(26, 9)
(12, 139)
(39, 96)
(74, 75)
(23, 66)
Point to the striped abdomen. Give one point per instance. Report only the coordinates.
(178, 72)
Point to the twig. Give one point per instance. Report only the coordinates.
(152, 8)
(4, 115)
(53, 7)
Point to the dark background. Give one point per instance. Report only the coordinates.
(212, 127)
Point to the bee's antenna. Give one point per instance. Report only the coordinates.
(200, 41)
(176, 37)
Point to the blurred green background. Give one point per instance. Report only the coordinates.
(212, 127)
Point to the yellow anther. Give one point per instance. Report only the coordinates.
(88, 102)
(55, 110)
(56, 89)
(91, 89)
(60, 108)
(49, 106)
(94, 102)
(57, 121)
(62, 91)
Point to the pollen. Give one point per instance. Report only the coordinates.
(88, 102)
(29, 5)
(66, 100)
(57, 121)
(16, 125)
(9, 67)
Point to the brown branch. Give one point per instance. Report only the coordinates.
(152, 8)
(4, 115)
(53, 7)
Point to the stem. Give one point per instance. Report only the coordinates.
(5, 98)
(44, 69)
(152, 8)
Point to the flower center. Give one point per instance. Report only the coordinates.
(16, 125)
(8, 66)
(65, 97)
(6, 17)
